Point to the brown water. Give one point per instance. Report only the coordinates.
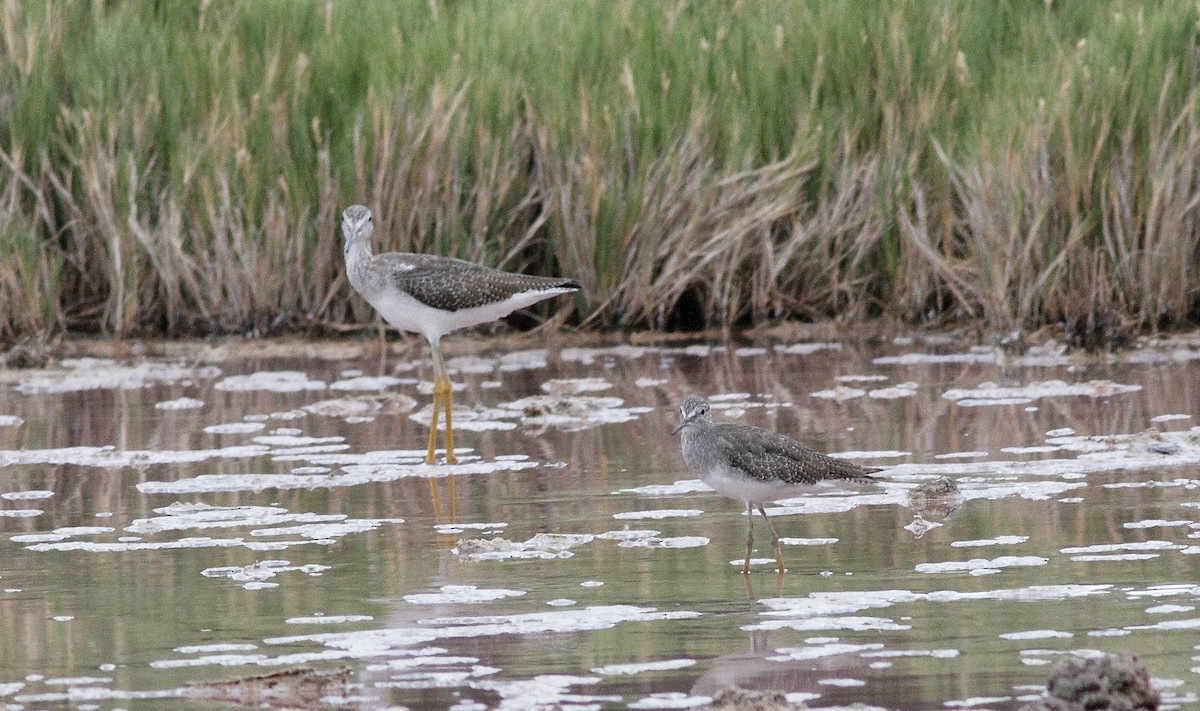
(166, 521)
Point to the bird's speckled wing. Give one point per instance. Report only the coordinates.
(453, 284)
(766, 455)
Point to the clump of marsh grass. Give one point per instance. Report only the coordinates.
(1012, 165)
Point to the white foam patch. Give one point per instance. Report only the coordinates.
(588, 356)
(575, 386)
(871, 454)
(78, 374)
(684, 486)
(650, 382)
(10, 421)
(255, 576)
(279, 381)
(997, 541)
(841, 393)
(216, 648)
(368, 383)
(1170, 418)
(1169, 609)
(20, 513)
(328, 619)
(33, 495)
(352, 475)
(639, 668)
(1156, 523)
(461, 594)
(544, 546)
(807, 541)
(455, 528)
(183, 403)
(377, 642)
(627, 535)
(570, 413)
(235, 428)
(1050, 388)
(1113, 557)
(895, 392)
(669, 542)
(807, 348)
(895, 653)
(847, 623)
(861, 378)
(1034, 449)
(656, 514)
(291, 440)
(1133, 546)
(670, 700)
(961, 455)
(1037, 634)
(977, 564)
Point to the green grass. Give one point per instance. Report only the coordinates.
(1011, 164)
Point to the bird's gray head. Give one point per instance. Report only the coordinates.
(694, 409)
(356, 224)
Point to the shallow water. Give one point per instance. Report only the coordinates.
(167, 521)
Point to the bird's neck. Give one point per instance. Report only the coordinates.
(358, 254)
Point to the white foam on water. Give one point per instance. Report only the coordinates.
(461, 594)
(78, 374)
(291, 440)
(588, 356)
(1038, 390)
(684, 486)
(113, 458)
(561, 602)
(656, 514)
(669, 542)
(639, 668)
(328, 619)
(997, 541)
(961, 455)
(32, 495)
(183, 403)
(1156, 523)
(570, 413)
(361, 383)
(841, 393)
(627, 534)
(670, 700)
(530, 359)
(352, 475)
(544, 546)
(910, 359)
(806, 541)
(216, 647)
(254, 577)
(453, 528)
(1169, 609)
(278, 381)
(871, 454)
(893, 653)
(1170, 418)
(853, 623)
(975, 564)
(1034, 449)
(649, 382)
(1036, 634)
(575, 386)
(10, 421)
(235, 428)
(845, 683)
(20, 513)
(1132, 546)
(822, 650)
(907, 389)
(807, 348)
(861, 378)
(1113, 558)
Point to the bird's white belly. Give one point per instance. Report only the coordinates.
(407, 314)
(732, 483)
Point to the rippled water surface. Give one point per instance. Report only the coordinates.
(174, 525)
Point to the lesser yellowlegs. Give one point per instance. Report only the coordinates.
(433, 296)
(755, 465)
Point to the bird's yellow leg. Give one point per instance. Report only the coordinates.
(774, 539)
(449, 407)
(433, 423)
(749, 537)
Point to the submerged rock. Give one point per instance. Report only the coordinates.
(735, 699)
(292, 689)
(1112, 682)
(938, 498)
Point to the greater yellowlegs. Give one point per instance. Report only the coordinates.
(433, 296)
(755, 465)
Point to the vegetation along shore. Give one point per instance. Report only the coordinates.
(180, 168)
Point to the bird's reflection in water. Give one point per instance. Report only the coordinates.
(764, 668)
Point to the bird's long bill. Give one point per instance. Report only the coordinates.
(676, 430)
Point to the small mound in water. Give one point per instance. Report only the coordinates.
(293, 689)
(736, 699)
(938, 498)
(1116, 682)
